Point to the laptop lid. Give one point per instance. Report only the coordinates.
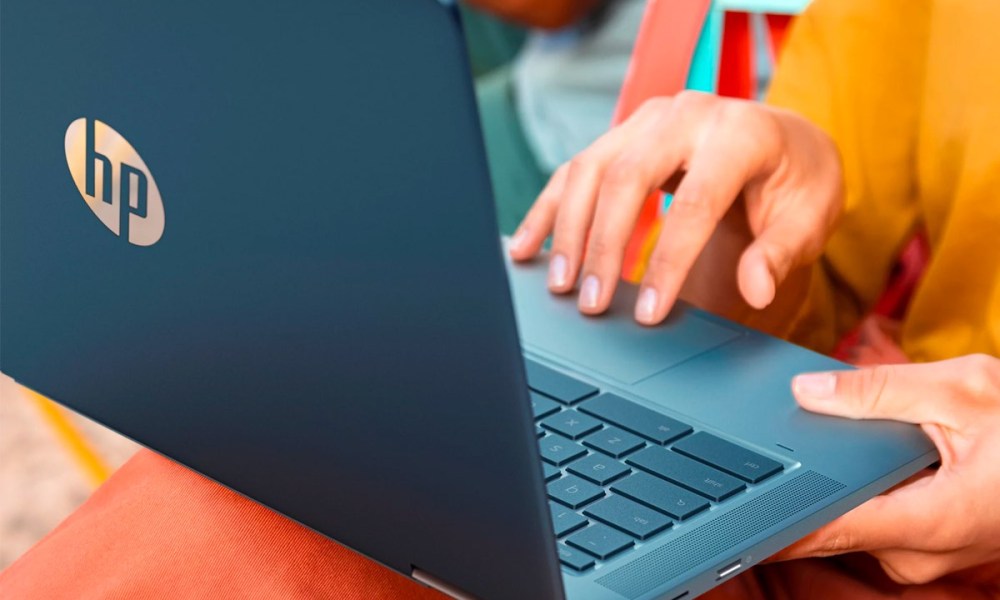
(252, 236)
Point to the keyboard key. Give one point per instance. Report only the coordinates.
(558, 450)
(600, 541)
(557, 385)
(573, 491)
(550, 472)
(574, 559)
(735, 460)
(635, 418)
(661, 495)
(539, 432)
(598, 468)
(614, 441)
(633, 518)
(685, 472)
(543, 406)
(564, 520)
(572, 424)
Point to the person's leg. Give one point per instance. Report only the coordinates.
(517, 179)
(157, 529)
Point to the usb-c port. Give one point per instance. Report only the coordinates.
(730, 569)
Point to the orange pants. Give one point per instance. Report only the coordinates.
(159, 530)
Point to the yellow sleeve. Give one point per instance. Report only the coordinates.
(855, 69)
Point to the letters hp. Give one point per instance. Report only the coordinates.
(125, 197)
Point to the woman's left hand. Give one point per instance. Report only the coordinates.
(942, 521)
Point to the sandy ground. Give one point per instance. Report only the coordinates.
(40, 481)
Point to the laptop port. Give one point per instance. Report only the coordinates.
(730, 569)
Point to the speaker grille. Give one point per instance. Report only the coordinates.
(719, 535)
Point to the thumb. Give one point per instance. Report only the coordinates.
(908, 516)
(918, 393)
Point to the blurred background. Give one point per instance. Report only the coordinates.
(50, 461)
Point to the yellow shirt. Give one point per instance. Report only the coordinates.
(910, 91)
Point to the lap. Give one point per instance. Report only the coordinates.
(156, 528)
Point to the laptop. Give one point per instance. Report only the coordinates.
(258, 237)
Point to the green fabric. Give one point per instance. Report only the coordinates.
(517, 178)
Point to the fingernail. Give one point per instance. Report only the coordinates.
(817, 386)
(518, 240)
(645, 309)
(590, 291)
(768, 285)
(558, 271)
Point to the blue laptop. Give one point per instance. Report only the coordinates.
(258, 237)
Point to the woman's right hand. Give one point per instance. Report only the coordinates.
(769, 177)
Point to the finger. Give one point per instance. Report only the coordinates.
(537, 224)
(803, 547)
(790, 241)
(728, 157)
(917, 393)
(909, 517)
(647, 165)
(576, 205)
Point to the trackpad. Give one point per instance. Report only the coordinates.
(613, 344)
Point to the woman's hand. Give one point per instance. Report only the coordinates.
(939, 522)
(785, 172)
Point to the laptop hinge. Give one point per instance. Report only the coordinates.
(442, 586)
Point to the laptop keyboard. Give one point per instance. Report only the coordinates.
(619, 473)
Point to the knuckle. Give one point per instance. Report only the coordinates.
(738, 111)
(981, 375)
(654, 107)
(761, 120)
(602, 248)
(663, 263)
(622, 173)
(868, 387)
(550, 196)
(547, 197)
(839, 543)
(689, 205)
(690, 99)
(752, 121)
(581, 163)
(780, 258)
(566, 237)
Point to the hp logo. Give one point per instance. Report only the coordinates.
(114, 181)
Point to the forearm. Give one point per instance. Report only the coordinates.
(546, 14)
